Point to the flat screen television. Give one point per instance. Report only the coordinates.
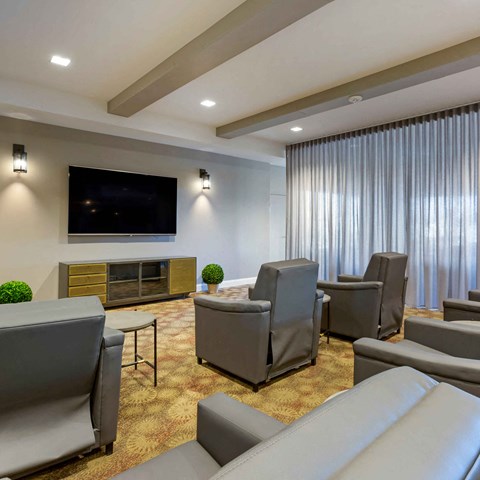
(107, 202)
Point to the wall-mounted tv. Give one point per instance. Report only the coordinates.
(107, 202)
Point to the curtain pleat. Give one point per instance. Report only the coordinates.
(410, 186)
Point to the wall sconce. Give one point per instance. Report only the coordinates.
(205, 179)
(19, 159)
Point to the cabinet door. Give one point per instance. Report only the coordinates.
(182, 275)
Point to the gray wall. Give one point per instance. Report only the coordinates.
(278, 213)
(228, 225)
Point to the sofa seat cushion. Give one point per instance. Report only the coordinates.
(32, 436)
(189, 461)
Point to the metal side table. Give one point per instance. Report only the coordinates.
(326, 310)
(126, 322)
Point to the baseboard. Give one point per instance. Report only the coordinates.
(202, 287)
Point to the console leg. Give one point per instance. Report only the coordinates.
(109, 449)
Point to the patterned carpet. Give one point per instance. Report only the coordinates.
(153, 420)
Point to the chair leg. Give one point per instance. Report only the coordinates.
(109, 449)
(199, 360)
(255, 388)
(313, 362)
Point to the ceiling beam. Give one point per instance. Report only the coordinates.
(458, 58)
(249, 24)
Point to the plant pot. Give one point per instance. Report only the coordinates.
(212, 287)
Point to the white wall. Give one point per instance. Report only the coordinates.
(228, 225)
(278, 213)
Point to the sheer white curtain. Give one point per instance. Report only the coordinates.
(410, 186)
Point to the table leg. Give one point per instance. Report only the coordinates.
(135, 332)
(155, 352)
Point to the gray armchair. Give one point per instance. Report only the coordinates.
(456, 309)
(60, 382)
(369, 306)
(274, 331)
(448, 352)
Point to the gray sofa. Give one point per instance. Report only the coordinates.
(446, 351)
(400, 424)
(60, 382)
(456, 309)
(369, 306)
(274, 331)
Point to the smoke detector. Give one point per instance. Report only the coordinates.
(355, 98)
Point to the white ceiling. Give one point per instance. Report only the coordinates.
(114, 42)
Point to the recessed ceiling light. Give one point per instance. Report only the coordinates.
(355, 98)
(296, 129)
(64, 62)
(208, 103)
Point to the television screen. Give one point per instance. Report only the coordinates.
(107, 202)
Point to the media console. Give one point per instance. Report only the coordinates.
(128, 281)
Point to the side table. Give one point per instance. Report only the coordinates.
(126, 322)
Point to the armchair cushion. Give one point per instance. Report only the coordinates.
(474, 295)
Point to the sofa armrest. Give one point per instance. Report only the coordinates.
(106, 394)
(233, 305)
(451, 338)
(474, 295)
(227, 428)
(456, 309)
(343, 277)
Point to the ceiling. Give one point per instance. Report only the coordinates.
(112, 43)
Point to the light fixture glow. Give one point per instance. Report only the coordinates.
(355, 98)
(57, 60)
(205, 179)
(296, 129)
(208, 103)
(19, 159)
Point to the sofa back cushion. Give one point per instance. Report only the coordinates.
(49, 350)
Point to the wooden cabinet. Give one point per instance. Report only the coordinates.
(121, 282)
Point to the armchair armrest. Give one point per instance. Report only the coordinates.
(349, 286)
(451, 338)
(250, 290)
(227, 428)
(106, 395)
(474, 295)
(233, 305)
(456, 309)
(343, 277)
(390, 355)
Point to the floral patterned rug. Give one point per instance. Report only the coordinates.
(153, 420)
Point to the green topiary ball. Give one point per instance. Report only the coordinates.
(212, 274)
(15, 292)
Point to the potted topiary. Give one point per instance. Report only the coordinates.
(15, 292)
(212, 275)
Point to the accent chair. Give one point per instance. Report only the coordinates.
(446, 351)
(275, 331)
(60, 382)
(371, 305)
(456, 309)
